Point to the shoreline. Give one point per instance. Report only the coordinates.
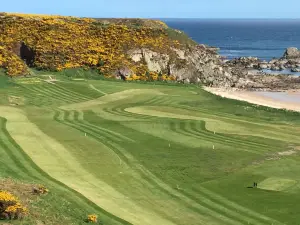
(288, 100)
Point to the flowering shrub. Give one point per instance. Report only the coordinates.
(59, 43)
(12, 63)
(10, 207)
(92, 218)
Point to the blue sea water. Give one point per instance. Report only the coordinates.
(263, 38)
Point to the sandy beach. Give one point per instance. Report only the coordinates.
(289, 100)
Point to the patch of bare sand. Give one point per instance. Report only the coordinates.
(255, 98)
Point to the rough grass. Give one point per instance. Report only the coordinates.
(150, 154)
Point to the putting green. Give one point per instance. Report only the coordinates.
(276, 184)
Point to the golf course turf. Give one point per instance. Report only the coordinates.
(144, 154)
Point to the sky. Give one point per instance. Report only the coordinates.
(158, 8)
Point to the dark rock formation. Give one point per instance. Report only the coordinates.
(247, 62)
(123, 73)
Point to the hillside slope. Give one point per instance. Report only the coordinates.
(56, 43)
(131, 49)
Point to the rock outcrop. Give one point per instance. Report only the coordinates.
(199, 64)
(247, 62)
(202, 64)
(291, 53)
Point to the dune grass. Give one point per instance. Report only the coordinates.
(149, 154)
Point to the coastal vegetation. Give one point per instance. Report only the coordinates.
(56, 43)
(131, 153)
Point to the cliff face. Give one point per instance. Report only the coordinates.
(133, 49)
(195, 64)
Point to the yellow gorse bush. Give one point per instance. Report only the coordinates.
(10, 206)
(68, 42)
(7, 197)
(92, 218)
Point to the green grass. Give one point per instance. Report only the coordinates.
(137, 153)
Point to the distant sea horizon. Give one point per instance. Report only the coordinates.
(264, 38)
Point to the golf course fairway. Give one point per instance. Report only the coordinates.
(145, 154)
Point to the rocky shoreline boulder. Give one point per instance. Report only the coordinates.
(291, 53)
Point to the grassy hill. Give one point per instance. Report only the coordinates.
(57, 43)
(137, 153)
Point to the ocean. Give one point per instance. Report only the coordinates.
(262, 38)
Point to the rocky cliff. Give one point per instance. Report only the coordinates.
(131, 49)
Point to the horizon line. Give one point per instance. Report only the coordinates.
(187, 18)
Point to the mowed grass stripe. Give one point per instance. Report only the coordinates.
(50, 89)
(179, 128)
(46, 95)
(119, 112)
(222, 210)
(206, 206)
(79, 116)
(199, 129)
(260, 128)
(58, 89)
(218, 199)
(81, 90)
(190, 203)
(11, 151)
(61, 116)
(198, 207)
(75, 177)
(183, 130)
(54, 95)
(152, 100)
(188, 126)
(72, 98)
(24, 167)
(102, 133)
(103, 139)
(30, 97)
(245, 218)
